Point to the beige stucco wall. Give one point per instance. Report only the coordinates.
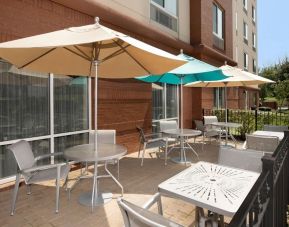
(239, 47)
(140, 10)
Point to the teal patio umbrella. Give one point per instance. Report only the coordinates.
(193, 71)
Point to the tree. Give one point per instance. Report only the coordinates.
(282, 91)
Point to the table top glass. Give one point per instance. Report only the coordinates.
(183, 132)
(86, 152)
(227, 124)
(280, 135)
(218, 188)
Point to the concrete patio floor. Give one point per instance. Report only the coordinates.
(139, 183)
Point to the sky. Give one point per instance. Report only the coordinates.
(273, 31)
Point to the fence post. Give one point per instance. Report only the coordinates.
(203, 110)
(256, 119)
(268, 165)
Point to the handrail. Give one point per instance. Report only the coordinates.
(265, 205)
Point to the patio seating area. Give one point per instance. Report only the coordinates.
(139, 183)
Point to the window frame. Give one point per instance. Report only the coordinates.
(51, 134)
(219, 9)
(246, 61)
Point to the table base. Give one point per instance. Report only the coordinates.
(179, 160)
(102, 198)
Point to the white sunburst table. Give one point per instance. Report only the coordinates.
(218, 188)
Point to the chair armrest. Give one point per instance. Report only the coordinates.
(153, 135)
(158, 139)
(42, 167)
(44, 156)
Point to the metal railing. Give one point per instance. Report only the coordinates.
(266, 204)
(251, 120)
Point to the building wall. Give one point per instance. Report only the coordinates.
(240, 16)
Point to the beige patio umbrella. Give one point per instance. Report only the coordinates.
(236, 78)
(92, 50)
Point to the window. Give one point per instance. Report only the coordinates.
(219, 97)
(254, 66)
(253, 13)
(165, 12)
(218, 26)
(245, 32)
(164, 103)
(245, 4)
(254, 40)
(25, 113)
(246, 61)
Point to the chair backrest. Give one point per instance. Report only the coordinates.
(199, 125)
(23, 154)
(210, 119)
(242, 159)
(103, 136)
(275, 128)
(262, 143)
(135, 216)
(141, 134)
(167, 125)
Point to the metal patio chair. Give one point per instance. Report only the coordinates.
(152, 141)
(135, 216)
(33, 173)
(242, 159)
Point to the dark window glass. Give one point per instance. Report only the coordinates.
(160, 2)
(24, 103)
(70, 104)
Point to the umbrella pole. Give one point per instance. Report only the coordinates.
(226, 112)
(182, 126)
(95, 105)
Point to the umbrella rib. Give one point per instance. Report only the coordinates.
(35, 59)
(132, 57)
(74, 52)
(118, 52)
(76, 47)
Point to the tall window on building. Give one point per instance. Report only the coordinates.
(165, 12)
(254, 66)
(218, 27)
(253, 13)
(219, 97)
(245, 32)
(25, 112)
(254, 41)
(164, 103)
(245, 4)
(246, 61)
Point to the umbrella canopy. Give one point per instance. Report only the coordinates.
(193, 70)
(236, 78)
(88, 51)
(71, 51)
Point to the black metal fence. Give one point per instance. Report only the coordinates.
(266, 204)
(251, 120)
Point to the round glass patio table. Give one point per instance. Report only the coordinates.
(226, 126)
(183, 135)
(86, 153)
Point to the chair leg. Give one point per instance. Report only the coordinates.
(28, 187)
(166, 153)
(143, 152)
(15, 193)
(139, 150)
(118, 169)
(57, 188)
